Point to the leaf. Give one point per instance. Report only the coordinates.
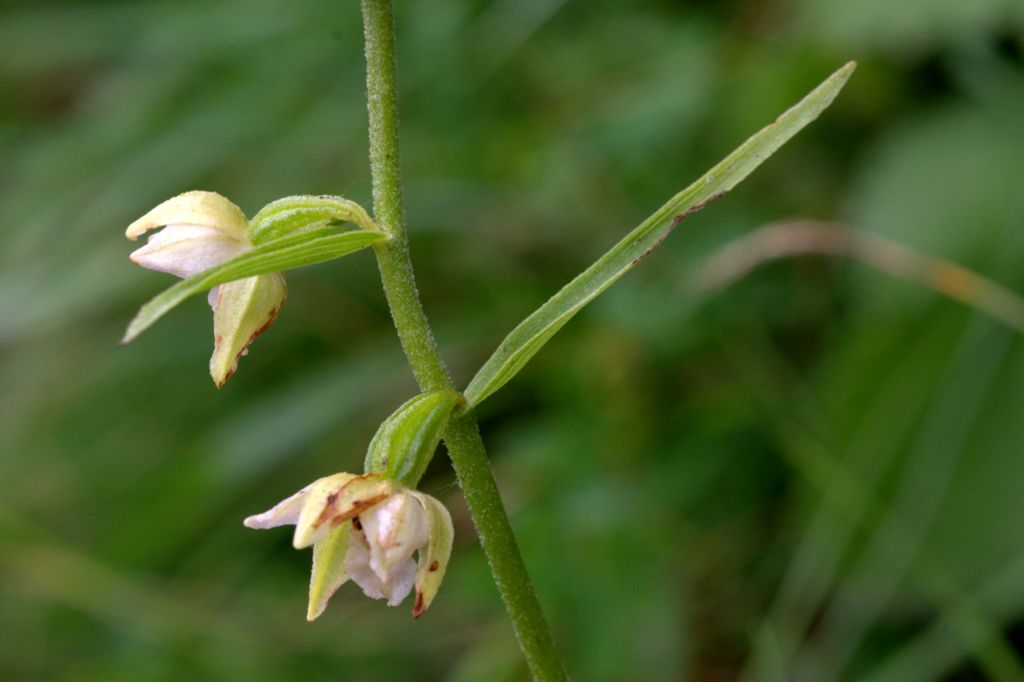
(405, 442)
(532, 333)
(298, 249)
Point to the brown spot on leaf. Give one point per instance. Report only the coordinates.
(434, 565)
(356, 523)
(675, 223)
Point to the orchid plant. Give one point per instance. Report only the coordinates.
(367, 527)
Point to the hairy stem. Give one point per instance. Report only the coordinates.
(462, 438)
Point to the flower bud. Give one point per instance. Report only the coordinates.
(202, 230)
(405, 442)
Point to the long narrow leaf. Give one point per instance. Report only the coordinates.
(533, 332)
(296, 250)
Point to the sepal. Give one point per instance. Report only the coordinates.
(338, 499)
(205, 209)
(242, 310)
(329, 572)
(433, 557)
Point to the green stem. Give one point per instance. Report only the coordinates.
(465, 446)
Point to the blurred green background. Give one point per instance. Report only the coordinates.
(815, 475)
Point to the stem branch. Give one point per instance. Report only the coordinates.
(465, 446)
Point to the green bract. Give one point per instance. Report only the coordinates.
(405, 442)
(289, 214)
(532, 333)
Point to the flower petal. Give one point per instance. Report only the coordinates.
(185, 250)
(329, 505)
(288, 511)
(328, 569)
(434, 555)
(357, 562)
(207, 209)
(394, 530)
(244, 309)
(284, 513)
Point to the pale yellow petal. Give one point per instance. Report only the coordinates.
(207, 209)
(326, 508)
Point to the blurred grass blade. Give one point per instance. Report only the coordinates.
(296, 250)
(741, 256)
(533, 332)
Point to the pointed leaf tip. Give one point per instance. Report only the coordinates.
(537, 329)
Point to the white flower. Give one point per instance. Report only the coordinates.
(367, 528)
(202, 230)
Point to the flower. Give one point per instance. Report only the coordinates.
(367, 528)
(202, 230)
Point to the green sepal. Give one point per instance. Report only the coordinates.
(329, 571)
(405, 442)
(286, 215)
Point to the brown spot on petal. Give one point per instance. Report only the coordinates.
(418, 608)
(231, 373)
(331, 513)
(362, 505)
(245, 346)
(434, 566)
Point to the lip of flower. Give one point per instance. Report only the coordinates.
(367, 528)
(201, 230)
